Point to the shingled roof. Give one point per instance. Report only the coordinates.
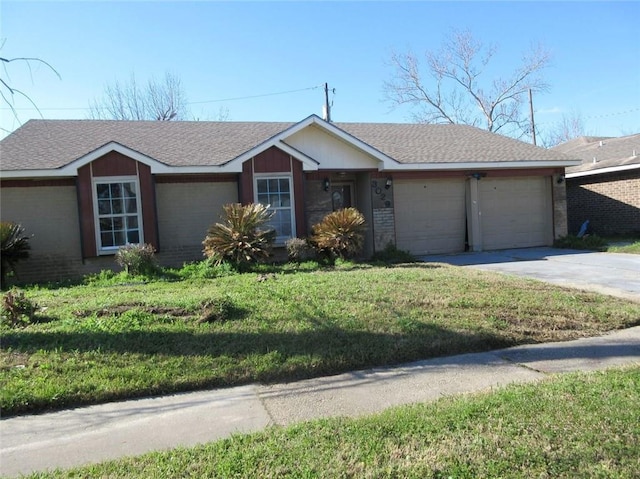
(602, 153)
(51, 144)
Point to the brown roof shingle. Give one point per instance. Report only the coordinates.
(602, 152)
(50, 144)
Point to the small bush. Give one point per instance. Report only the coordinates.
(17, 309)
(137, 259)
(340, 234)
(587, 242)
(299, 250)
(243, 237)
(392, 255)
(15, 247)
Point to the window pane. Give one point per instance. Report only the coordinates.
(285, 200)
(131, 205)
(274, 200)
(106, 239)
(132, 222)
(129, 190)
(262, 186)
(119, 238)
(273, 185)
(284, 184)
(133, 236)
(263, 198)
(106, 224)
(118, 223)
(103, 191)
(116, 190)
(116, 206)
(104, 207)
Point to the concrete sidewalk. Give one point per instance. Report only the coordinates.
(92, 434)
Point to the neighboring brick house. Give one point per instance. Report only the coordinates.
(83, 188)
(605, 188)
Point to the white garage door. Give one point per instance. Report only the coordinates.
(515, 212)
(430, 215)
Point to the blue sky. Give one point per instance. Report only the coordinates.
(224, 50)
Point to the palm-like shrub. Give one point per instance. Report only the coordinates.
(15, 246)
(243, 237)
(340, 234)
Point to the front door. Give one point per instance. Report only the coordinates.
(341, 196)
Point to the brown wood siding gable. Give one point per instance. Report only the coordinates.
(272, 160)
(114, 164)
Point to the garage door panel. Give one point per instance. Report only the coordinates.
(430, 215)
(515, 212)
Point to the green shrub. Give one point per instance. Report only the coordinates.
(207, 269)
(15, 247)
(340, 234)
(243, 237)
(587, 242)
(299, 250)
(392, 255)
(137, 259)
(17, 309)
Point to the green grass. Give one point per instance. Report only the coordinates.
(631, 248)
(614, 244)
(103, 342)
(573, 426)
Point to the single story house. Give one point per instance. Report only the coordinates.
(83, 188)
(605, 188)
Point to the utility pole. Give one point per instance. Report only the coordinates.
(327, 107)
(533, 125)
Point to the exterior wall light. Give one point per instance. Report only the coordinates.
(477, 175)
(560, 179)
(388, 183)
(325, 184)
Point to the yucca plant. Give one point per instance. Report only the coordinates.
(15, 246)
(243, 237)
(340, 234)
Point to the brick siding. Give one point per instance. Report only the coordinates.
(384, 229)
(610, 202)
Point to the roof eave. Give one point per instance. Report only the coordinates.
(600, 171)
(481, 165)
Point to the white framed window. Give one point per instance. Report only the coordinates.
(117, 211)
(277, 193)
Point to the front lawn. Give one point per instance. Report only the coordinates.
(579, 425)
(97, 343)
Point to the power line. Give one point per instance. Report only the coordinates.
(255, 96)
(604, 115)
(248, 97)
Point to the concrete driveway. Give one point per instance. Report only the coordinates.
(609, 273)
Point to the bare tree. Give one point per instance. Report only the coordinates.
(571, 126)
(448, 85)
(158, 100)
(8, 92)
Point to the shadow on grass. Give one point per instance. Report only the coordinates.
(269, 357)
(326, 349)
